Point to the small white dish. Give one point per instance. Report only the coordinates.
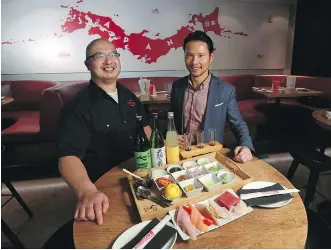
(196, 172)
(204, 161)
(225, 176)
(210, 182)
(262, 184)
(178, 174)
(214, 167)
(189, 164)
(157, 173)
(197, 187)
(168, 176)
(174, 168)
(130, 233)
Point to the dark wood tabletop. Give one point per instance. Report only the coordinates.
(287, 92)
(320, 118)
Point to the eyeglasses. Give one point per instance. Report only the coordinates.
(103, 55)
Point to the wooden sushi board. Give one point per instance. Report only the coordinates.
(149, 210)
(200, 151)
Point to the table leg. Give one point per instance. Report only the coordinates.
(11, 236)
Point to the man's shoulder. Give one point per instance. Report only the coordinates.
(221, 82)
(80, 100)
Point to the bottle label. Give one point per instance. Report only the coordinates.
(172, 154)
(143, 159)
(158, 157)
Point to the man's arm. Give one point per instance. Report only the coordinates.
(92, 203)
(72, 141)
(239, 126)
(75, 174)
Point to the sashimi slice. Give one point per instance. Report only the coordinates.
(239, 209)
(227, 200)
(184, 222)
(219, 211)
(197, 220)
(206, 212)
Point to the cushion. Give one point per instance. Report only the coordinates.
(25, 129)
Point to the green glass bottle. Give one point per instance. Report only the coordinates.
(142, 147)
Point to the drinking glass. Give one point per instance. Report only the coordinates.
(187, 138)
(212, 136)
(200, 139)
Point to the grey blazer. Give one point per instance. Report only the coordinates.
(221, 106)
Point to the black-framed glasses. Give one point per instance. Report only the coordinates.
(103, 55)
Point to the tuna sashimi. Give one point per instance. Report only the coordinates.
(227, 200)
(197, 220)
(184, 222)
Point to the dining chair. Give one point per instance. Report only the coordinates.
(316, 162)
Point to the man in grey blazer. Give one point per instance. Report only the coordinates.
(201, 101)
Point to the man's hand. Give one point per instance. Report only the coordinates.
(181, 141)
(91, 206)
(242, 154)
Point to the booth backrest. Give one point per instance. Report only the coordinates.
(27, 94)
(243, 84)
(53, 100)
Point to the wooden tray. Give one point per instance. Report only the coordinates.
(149, 210)
(200, 151)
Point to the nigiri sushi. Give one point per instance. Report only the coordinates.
(184, 222)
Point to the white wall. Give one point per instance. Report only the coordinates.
(36, 43)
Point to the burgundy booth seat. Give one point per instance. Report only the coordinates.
(25, 110)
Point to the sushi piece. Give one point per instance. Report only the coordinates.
(184, 222)
(239, 209)
(197, 220)
(227, 200)
(218, 211)
(214, 212)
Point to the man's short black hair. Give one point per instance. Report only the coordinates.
(199, 35)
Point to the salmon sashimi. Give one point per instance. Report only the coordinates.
(184, 222)
(197, 220)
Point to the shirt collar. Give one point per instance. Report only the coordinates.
(204, 83)
(99, 93)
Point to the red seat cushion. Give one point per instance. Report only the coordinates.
(25, 129)
(249, 113)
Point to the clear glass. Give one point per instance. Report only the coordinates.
(200, 139)
(212, 136)
(188, 141)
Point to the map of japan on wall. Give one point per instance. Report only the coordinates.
(51, 36)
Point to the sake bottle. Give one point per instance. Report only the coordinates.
(142, 147)
(172, 146)
(157, 145)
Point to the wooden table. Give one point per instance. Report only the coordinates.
(320, 118)
(287, 93)
(284, 227)
(7, 100)
(160, 98)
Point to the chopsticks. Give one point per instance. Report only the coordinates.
(128, 172)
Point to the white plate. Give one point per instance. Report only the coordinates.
(130, 233)
(184, 236)
(262, 184)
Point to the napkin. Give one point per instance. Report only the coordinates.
(159, 239)
(267, 199)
